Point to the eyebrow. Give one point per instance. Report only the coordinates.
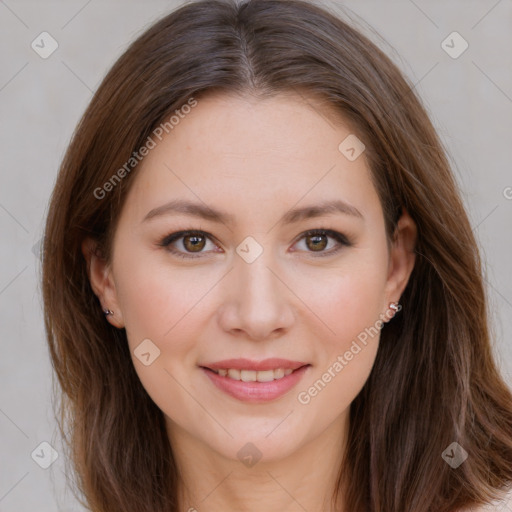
(204, 211)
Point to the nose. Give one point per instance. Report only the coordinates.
(257, 303)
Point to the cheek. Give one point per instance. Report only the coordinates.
(346, 357)
(349, 303)
(163, 305)
(156, 299)
(349, 299)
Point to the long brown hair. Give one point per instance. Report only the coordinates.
(434, 381)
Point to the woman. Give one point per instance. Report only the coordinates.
(261, 288)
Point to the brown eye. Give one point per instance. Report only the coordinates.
(188, 244)
(316, 242)
(194, 243)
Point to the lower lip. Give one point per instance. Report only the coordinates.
(256, 391)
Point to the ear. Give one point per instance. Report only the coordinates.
(102, 281)
(402, 257)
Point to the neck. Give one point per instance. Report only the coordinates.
(302, 480)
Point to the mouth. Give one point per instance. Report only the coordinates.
(253, 375)
(247, 370)
(255, 381)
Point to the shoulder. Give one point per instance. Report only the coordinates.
(503, 504)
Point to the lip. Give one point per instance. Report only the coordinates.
(256, 392)
(246, 364)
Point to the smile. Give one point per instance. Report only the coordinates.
(252, 375)
(255, 386)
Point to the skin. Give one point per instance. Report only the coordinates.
(256, 159)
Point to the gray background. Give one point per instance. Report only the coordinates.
(41, 100)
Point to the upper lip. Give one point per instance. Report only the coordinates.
(246, 364)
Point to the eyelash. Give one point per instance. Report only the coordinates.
(339, 237)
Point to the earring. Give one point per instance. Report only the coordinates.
(108, 312)
(396, 306)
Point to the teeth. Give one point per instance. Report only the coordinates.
(254, 376)
(248, 375)
(234, 374)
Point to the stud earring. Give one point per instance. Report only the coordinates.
(396, 306)
(108, 312)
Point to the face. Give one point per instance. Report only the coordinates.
(270, 277)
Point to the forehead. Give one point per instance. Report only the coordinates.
(251, 151)
(240, 126)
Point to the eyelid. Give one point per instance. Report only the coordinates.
(341, 239)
